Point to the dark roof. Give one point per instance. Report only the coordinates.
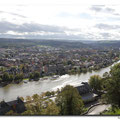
(3, 103)
(12, 102)
(84, 88)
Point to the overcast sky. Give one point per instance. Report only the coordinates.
(60, 19)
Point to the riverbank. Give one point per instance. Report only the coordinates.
(54, 77)
(26, 80)
(12, 91)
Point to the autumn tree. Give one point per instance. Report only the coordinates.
(69, 101)
(51, 109)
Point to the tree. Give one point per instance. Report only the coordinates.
(35, 97)
(52, 93)
(106, 75)
(36, 75)
(0, 79)
(11, 112)
(19, 77)
(31, 76)
(48, 93)
(69, 101)
(95, 82)
(11, 78)
(28, 112)
(28, 98)
(112, 89)
(51, 109)
(22, 98)
(5, 77)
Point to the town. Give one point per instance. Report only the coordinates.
(33, 62)
(24, 62)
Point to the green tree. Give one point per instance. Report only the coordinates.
(106, 75)
(11, 78)
(5, 77)
(0, 79)
(95, 82)
(31, 76)
(36, 75)
(19, 77)
(69, 101)
(112, 89)
(48, 93)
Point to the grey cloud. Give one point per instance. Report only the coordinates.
(13, 14)
(102, 8)
(29, 27)
(55, 36)
(109, 9)
(107, 27)
(105, 35)
(96, 8)
(32, 29)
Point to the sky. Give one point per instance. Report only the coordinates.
(60, 19)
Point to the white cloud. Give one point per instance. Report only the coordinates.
(78, 17)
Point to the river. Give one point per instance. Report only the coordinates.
(12, 91)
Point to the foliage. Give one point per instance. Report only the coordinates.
(48, 93)
(5, 77)
(51, 109)
(95, 82)
(0, 79)
(28, 98)
(112, 89)
(40, 106)
(19, 77)
(11, 112)
(34, 75)
(35, 97)
(22, 98)
(112, 111)
(69, 101)
(31, 76)
(11, 78)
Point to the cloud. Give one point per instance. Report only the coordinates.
(102, 8)
(69, 22)
(34, 30)
(44, 36)
(13, 14)
(107, 26)
(105, 35)
(6, 26)
(96, 8)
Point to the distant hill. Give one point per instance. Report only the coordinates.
(66, 44)
(4, 42)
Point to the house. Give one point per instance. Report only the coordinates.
(16, 105)
(86, 93)
(84, 88)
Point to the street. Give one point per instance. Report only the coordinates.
(98, 109)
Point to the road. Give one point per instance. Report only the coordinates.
(98, 109)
